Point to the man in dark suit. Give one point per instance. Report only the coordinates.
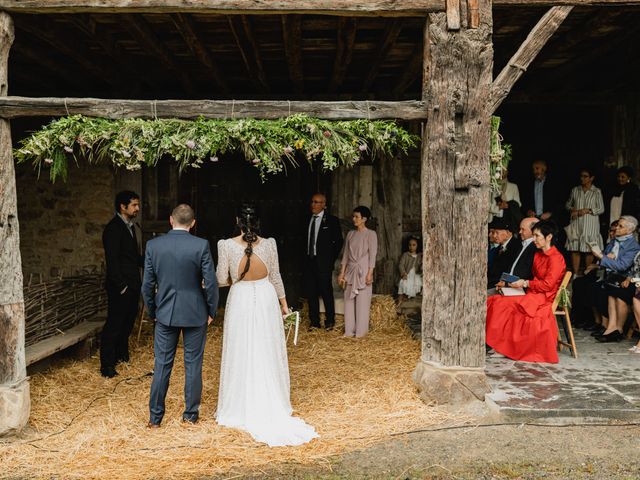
(180, 266)
(522, 266)
(508, 249)
(540, 197)
(123, 260)
(324, 242)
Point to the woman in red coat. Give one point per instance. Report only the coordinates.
(524, 327)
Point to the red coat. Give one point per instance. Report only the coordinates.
(524, 328)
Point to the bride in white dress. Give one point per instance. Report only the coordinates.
(254, 376)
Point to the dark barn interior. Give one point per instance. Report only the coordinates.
(576, 105)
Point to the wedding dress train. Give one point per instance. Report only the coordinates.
(254, 375)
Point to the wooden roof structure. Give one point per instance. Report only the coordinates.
(150, 54)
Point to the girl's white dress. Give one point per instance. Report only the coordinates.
(254, 375)
(412, 285)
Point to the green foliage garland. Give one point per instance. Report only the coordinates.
(500, 156)
(270, 145)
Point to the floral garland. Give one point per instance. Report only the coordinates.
(270, 145)
(500, 156)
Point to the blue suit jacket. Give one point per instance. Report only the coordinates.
(177, 263)
(624, 261)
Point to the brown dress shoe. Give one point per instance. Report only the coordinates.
(153, 425)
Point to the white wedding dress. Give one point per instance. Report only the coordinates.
(254, 375)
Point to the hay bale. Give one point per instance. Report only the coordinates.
(355, 392)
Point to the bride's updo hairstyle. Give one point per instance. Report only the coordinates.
(249, 226)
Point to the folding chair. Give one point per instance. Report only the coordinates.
(563, 314)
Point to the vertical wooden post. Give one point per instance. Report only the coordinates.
(455, 179)
(14, 386)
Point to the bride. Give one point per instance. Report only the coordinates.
(254, 376)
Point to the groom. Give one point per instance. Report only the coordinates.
(180, 266)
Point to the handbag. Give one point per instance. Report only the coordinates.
(573, 234)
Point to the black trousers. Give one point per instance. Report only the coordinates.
(122, 310)
(318, 284)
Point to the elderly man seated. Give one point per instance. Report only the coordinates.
(618, 261)
(508, 249)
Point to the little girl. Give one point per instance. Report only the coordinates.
(410, 272)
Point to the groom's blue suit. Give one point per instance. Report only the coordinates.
(178, 264)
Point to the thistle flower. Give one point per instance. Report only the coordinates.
(288, 150)
(255, 161)
(190, 144)
(326, 133)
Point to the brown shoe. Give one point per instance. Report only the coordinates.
(189, 421)
(153, 425)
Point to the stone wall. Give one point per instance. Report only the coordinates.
(61, 223)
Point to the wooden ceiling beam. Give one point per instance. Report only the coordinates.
(412, 72)
(248, 48)
(528, 51)
(391, 33)
(377, 8)
(59, 41)
(56, 68)
(230, 7)
(13, 107)
(345, 41)
(187, 29)
(292, 39)
(147, 39)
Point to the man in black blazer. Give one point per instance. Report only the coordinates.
(180, 266)
(508, 249)
(324, 242)
(123, 260)
(540, 196)
(522, 267)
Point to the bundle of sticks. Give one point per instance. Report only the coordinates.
(53, 306)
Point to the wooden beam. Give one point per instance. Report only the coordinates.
(248, 49)
(13, 107)
(187, 28)
(473, 12)
(374, 8)
(527, 52)
(345, 40)
(453, 14)
(411, 72)
(230, 7)
(292, 39)
(392, 31)
(148, 40)
(57, 40)
(56, 68)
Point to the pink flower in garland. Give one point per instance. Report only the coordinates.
(190, 144)
(363, 147)
(255, 161)
(326, 133)
(288, 150)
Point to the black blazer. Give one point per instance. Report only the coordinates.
(524, 267)
(122, 256)
(502, 261)
(552, 199)
(329, 241)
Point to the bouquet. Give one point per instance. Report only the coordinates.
(292, 321)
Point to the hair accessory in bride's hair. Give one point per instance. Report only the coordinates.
(249, 225)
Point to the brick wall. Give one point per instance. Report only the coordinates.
(61, 224)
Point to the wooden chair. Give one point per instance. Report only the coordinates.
(563, 314)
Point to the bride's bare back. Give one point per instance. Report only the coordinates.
(257, 268)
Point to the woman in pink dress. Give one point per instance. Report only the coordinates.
(524, 327)
(356, 275)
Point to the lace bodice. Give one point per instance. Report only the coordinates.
(230, 255)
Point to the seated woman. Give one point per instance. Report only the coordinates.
(524, 327)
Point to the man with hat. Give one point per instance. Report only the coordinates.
(508, 249)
